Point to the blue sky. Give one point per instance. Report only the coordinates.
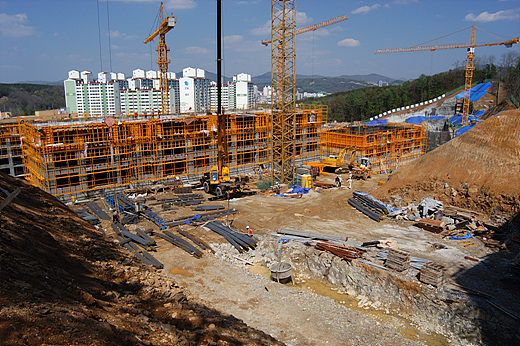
(41, 40)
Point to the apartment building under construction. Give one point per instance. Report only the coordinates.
(74, 157)
(387, 145)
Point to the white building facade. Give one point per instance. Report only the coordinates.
(112, 94)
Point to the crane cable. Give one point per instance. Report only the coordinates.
(99, 36)
(109, 44)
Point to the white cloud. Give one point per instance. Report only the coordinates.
(195, 50)
(14, 25)
(233, 38)
(264, 30)
(180, 4)
(366, 9)
(349, 42)
(117, 34)
(302, 19)
(405, 2)
(485, 17)
(170, 4)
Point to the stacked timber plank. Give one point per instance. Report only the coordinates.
(345, 252)
(397, 260)
(432, 273)
(368, 205)
(435, 226)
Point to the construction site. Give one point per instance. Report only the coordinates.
(263, 227)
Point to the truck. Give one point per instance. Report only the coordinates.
(221, 184)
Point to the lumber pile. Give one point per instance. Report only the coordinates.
(432, 273)
(397, 260)
(345, 252)
(435, 226)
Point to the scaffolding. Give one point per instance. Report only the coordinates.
(11, 161)
(387, 146)
(76, 156)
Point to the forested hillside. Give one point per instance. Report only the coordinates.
(25, 99)
(361, 104)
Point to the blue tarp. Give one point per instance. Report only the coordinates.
(478, 113)
(467, 236)
(378, 122)
(457, 119)
(194, 217)
(299, 189)
(416, 120)
(463, 129)
(476, 92)
(437, 117)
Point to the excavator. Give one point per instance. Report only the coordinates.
(343, 164)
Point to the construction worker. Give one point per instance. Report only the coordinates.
(115, 216)
(249, 231)
(350, 180)
(338, 180)
(277, 188)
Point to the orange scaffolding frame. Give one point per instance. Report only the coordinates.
(75, 156)
(387, 146)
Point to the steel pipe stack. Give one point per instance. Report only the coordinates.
(239, 240)
(368, 205)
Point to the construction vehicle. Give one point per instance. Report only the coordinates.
(338, 164)
(361, 170)
(218, 181)
(345, 162)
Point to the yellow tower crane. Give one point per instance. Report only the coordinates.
(469, 61)
(165, 25)
(283, 82)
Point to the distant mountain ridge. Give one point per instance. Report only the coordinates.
(304, 83)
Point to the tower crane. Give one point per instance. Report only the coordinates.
(165, 25)
(283, 81)
(469, 61)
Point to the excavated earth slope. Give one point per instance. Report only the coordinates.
(63, 283)
(478, 170)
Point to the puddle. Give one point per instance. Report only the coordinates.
(403, 325)
(184, 272)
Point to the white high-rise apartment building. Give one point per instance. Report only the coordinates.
(84, 95)
(194, 91)
(239, 94)
(112, 94)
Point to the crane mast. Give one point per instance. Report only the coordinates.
(283, 81)
(469, 61)
(165, 25)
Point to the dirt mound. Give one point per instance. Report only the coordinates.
(478, 170)
(64, 283)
